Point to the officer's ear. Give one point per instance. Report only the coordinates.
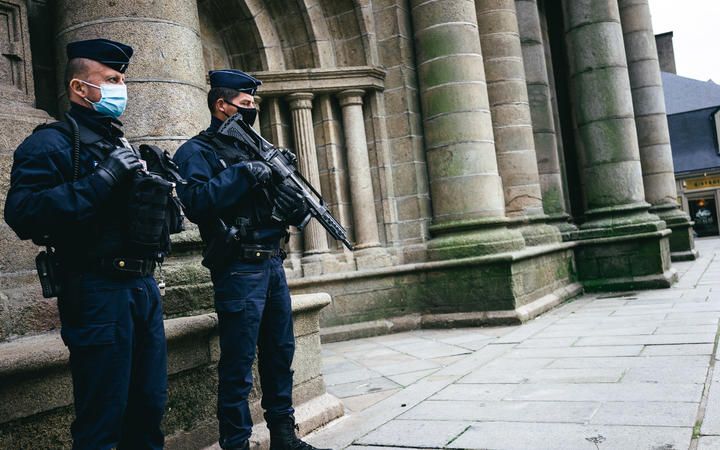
(218, 104)
(78, 87)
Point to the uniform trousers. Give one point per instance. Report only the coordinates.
(114, 331)
(254, 311)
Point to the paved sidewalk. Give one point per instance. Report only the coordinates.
(632, 370)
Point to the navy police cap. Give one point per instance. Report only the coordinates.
(113, 54)
(234, 79)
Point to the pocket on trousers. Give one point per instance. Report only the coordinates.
(88, 335)
(237, 287)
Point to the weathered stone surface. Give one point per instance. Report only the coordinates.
(36, 378)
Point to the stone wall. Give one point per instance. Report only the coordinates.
(36, 390)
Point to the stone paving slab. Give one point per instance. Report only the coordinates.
(668, 375)
(577, 412)
(601, 392)
(694, 317)
(704, 443)
(405, 367)
(391, 357)
(361, 402)
(678, 349)
(512, 364)
(617, 321)
(711, 422)
(361, 387)
(349, 376)
(447, 360)
(670, 414)
(406, 379)
(667, 329)
(431, 349)
(342, 365)
(432, 434)
(577, 352)
(696, 338)
(537, 342)
(545, 436)
(656, 362)
(708, 319)
(585, 375)
(477, 392)
(584, 331)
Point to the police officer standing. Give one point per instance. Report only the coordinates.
(230, 195)
(70, 189)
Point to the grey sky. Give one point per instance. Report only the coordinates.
(696, 26)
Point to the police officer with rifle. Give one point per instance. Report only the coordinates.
(105, 212)
(243, 195)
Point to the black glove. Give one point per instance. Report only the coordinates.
(118, 165)
(290, 156)
(261, 171)
(289, 204)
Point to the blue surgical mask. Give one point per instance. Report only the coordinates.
(113, 98)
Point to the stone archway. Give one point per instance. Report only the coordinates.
(271, 36)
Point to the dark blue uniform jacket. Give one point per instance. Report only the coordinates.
(220, 189)
(84, 219)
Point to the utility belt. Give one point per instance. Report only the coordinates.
(257, 252)
(227, 245)
(124, 267)
(51, 272)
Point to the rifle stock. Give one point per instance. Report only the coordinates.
(285, 171)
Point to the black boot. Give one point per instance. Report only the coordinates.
(282, 435)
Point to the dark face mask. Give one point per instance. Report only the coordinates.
(248, 114)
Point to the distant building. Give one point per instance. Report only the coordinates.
(693, 113)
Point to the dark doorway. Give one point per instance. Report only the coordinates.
(703, 212)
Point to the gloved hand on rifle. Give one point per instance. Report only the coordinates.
(289, 205)
(290, 156)
(260, 170)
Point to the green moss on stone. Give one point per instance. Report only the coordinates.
(192, 399)
(553, 201)
(46, 430)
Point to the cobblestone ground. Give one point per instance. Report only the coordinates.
(630, 370)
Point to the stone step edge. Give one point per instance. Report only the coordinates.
(46, 351)
(411, 322)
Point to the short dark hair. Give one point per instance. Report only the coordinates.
(75, 68)
(224, 93)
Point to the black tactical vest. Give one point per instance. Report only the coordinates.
(255, 211)
(147, 209)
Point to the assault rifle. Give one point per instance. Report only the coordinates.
(286, 172)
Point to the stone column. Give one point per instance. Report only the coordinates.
(545, 135)
(279, 136)
(652, 127)
(629, 247)
(465, 187)
(361, 190)
(166, 77)
(510, 111)
(315, 236)
(368, 252)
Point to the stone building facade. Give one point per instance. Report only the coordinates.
(489, 158)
